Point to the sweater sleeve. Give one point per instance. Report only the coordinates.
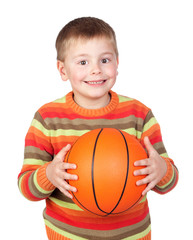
(38, 153)
(151, 129)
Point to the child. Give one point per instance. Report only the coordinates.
(87, 55)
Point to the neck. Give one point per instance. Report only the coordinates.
(93, 103)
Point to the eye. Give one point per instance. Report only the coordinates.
(105, 60)
(83, 62)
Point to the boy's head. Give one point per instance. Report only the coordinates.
(87, 56)
(84, 28)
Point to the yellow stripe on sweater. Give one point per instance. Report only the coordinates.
(72, 132)
(149, 124)
(60, 203)
(35, 123)
(58, 132)
(124, 99)
(33, 161)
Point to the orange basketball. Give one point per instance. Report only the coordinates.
(105, 164)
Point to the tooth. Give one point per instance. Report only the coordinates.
(99, 82)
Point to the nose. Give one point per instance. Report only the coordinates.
(95, 69)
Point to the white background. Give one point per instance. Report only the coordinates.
(155, 40)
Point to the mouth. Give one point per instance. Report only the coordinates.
(98, 82)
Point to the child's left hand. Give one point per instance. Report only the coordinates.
(155, 169)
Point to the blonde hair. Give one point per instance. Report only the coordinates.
(83, 28)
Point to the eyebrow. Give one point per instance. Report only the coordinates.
(82, 55)
(107, 53)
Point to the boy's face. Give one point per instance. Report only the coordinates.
(91, 66)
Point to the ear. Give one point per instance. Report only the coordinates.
(117, 61)
(117, 64)
(61, 69)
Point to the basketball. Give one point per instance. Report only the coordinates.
(105, 160)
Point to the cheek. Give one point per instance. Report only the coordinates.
(112, 71)
(77, 75)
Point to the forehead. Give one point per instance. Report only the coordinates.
(97, 44)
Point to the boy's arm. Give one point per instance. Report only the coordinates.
(152, 130)
(32, 180)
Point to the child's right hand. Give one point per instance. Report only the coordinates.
(56, 172)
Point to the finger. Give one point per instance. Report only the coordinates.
(66, 193)
(68, 187)
(65, 188)
(65, 166)
(143, 162)
(148, 188)
(68, 176)
(145, 180)
(148, 145)
(143, 171)
(60, 156)
(63, 175)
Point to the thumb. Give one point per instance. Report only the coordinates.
(61, 155)
(148, 145)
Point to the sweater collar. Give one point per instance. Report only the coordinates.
(92, 112)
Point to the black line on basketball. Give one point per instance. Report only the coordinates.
(68, 183)
(129, 207)
(92, 171)
(84, 206)
(127, 173)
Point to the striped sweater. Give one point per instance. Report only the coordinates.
(61, 122)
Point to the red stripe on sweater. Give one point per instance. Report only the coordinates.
(95, 226)
(33, 143)
(156, 140)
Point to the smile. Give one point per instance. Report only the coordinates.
(96, 82)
